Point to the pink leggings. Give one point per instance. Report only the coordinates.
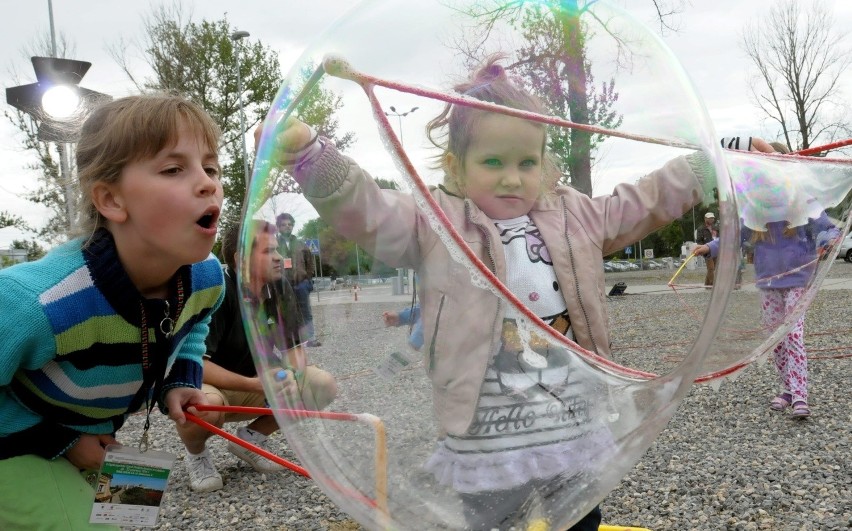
(791, 359)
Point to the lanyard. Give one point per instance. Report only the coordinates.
(167, 328)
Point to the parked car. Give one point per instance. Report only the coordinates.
(616, 265)
(629, 266)
(846, 248)
(322, 283)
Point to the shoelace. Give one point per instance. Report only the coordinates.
(203, 465)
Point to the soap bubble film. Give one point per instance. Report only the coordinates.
(497, 398)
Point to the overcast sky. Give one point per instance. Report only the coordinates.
(707, 45)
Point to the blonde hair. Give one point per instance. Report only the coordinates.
(779, 147)
(452, 130)
(128, 130)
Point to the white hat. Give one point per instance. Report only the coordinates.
(710, 215)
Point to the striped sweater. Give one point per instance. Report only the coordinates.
(71, 348)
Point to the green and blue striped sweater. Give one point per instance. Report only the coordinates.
(70, 344)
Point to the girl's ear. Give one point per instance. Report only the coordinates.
(109, 203)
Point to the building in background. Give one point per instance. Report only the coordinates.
(10, 257)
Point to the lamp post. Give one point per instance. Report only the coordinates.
(236, 37)
(58, 105)
(400, 116)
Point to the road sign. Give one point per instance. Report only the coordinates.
(649, 253)
(313, 245)
(628, 251)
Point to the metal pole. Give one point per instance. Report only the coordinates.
(399, 116)
(242, 119)
(319, 256)
(358, 262)
(236, 37)
(694, 230)
(62, 147)
(67, 184)
(52, 30)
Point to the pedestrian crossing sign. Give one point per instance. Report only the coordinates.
(313, 245)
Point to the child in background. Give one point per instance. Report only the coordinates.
(407, 316)
(544, 242)
(785, 233)
(113, 321)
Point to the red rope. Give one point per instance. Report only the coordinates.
(296, 413)
(247, 445)
(826, 147)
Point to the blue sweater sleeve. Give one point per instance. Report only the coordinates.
(409, 315)
(26, 338)
(26, 347)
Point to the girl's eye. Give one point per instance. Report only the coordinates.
(529, 163)
(212, 171)
(492, 162)
(171, 171)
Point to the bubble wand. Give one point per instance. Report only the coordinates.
(381, 501)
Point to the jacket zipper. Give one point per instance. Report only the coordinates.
(435, 335)
(493, 268)
(576, 284)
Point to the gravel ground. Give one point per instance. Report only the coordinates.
(725, 461)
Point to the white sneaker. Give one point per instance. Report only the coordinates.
(203, 476)
(257, 461)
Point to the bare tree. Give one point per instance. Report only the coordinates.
(799, 58)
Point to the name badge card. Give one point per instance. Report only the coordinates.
(130, 486)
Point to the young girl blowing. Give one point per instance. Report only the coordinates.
(545, 243)
(113, 321)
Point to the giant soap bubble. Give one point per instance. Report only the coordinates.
(499, 410)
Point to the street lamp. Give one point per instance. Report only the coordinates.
(400, 116)
(236, 37)
(58, 105)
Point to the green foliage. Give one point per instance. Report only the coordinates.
(198, 60)
(34, 250)
(552, 65)
(338, 253)
(317, 108)
(8, 219)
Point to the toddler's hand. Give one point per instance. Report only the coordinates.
(701, 250)
(88, 452)
(291, 136)
(390, 319)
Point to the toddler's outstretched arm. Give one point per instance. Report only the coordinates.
(385, 223)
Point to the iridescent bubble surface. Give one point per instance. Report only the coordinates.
(413, 435)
